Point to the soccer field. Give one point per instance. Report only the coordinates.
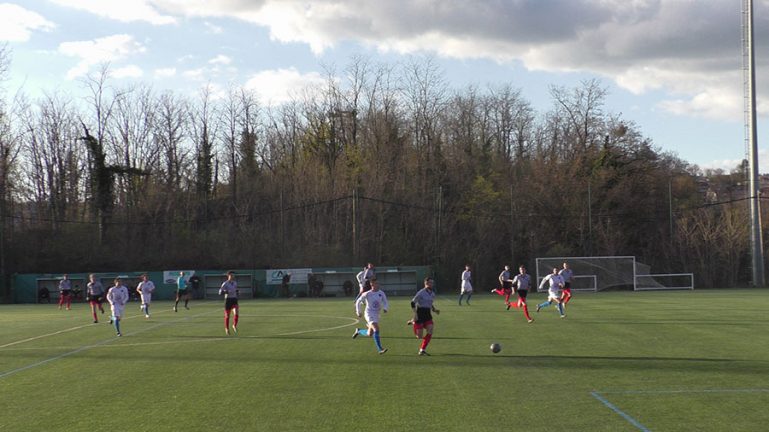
(623, 361)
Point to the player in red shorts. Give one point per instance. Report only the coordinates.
(567, 274)
(522, 282)
(506, 286)
(422, 305)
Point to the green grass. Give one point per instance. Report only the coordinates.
(670, 361)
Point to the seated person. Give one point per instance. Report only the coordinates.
(43, 294)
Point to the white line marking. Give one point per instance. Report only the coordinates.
(624, 415)
(641, 392)
(84, 348)
(45, 335)
(59, 332)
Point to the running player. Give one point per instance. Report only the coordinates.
(145, 289)
(522, 282)
(65, 292)
(506, 286)
(556, 283)
(181, 292)
(230, 290)
(568, 275)
(117, 296)
(422, 306)
(94, 295)
(364, 279)
(467, 285)
(375, 301)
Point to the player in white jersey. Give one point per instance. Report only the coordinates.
(556, 283)
(467, 285)
(364, 279)
(229, 289)
(568, 275)
(145, 289)
(65, 292)
(117, 296)
(376, 302)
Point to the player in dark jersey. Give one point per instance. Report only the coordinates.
(230, 290)
(95, 295)
(422, 306)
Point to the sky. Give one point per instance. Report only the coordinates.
(673, 67)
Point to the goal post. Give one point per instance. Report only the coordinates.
(601, 273)
(665, 281)
(597, 273)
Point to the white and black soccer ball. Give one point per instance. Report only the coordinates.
(495, 348)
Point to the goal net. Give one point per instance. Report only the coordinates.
(602, 273)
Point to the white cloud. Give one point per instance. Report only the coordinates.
(729, 165)
(279, 85)
(130, 71)
(690, 50)
(121, 10)
(165, 72)
(221, 59)
(17, 23)
(213, 28)
(97, 51)
(195, 74)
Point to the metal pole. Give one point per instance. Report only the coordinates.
(589, 222)
(354, 225)
(670, 207)
(755, 186)
(512, 228)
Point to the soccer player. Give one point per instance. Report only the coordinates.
(117, 296)
(522, 282)
(422, 306)
(568, 275)
(364, 279)
(229, 289)
(145, 289)
(95, 295)
(375, 301)
(467, 285)
(506, 286)
(65, 292)
(181, 292)
(556, 283)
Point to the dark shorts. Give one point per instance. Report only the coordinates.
(567, 285)
(94, 298)
(65, 293)
(424, 315)
(230, 303)
(507, 285)
(180, 293)
(523, 293)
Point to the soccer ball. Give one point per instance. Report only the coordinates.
(495, 348)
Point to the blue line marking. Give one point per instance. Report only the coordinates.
(624, 415)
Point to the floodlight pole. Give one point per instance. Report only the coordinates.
(755, 185)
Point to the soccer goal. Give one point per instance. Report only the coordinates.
(593, 273)
(601, 273)
(665, 281)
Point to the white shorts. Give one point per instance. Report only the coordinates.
(467, 287)
(371, 318)
(146, 298)
(117, 310)
(553, 295)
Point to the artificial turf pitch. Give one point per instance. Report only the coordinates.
(620, 361)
